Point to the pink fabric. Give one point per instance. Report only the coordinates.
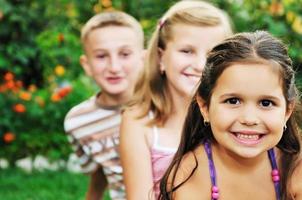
(160, 162)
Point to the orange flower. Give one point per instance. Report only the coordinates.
(106, 3)
(276, 8)
(59, 70)
(32, 88)
(19, 108)
(97, 8)
(55, 97)
(10, 84)
(9, 76)
(8, 137)
(26, 96)
(61, 37)
(2, 88)
(19, 84)
(64, 91)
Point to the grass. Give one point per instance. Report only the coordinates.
(48, 185)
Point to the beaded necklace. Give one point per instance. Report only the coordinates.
(215, 190)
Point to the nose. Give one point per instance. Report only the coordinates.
(200, 62)
(249, 116)
(114, 65)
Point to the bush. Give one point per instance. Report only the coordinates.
(281, 18)
(39, 70)
(33, 122)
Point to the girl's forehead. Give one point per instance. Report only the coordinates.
(252, 78)
(197, 35)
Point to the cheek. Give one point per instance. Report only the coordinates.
(130, 70)
(220, 123)
(218, 117)
(172, 61)
(98, 67)
(275, 122)
(131, 64)
(182, 61)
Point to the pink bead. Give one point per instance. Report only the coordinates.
(276, 178)
(215, 189)
(275, 172)
(215, 195)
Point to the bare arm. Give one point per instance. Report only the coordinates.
(97, 185)
(297, 182)
(135, 158)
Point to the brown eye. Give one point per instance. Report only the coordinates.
(266, 103)
(232, 101)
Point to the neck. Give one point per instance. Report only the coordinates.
(179, 110)
(106, 99)
(180, 105)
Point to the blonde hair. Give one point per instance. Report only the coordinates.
(112, 18)
(151, 90)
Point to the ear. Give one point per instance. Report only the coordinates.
(85, 64)
(203, 107)
(160, 56)
(289, 110)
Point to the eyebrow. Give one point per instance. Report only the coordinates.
(229, 94)
(274, 98)
(271, 97)
(121, 47)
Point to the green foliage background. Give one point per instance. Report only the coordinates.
(19, 185)
(40, 46)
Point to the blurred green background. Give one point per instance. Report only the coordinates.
(41, 79)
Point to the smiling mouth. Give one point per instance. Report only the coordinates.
(193, 75)
(247, 139)
(114, 80)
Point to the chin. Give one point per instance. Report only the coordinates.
(118, 92)
(189, 91)
(249, 153)
(117, 88)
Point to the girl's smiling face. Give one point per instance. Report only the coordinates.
(184, 57)
(247, 110)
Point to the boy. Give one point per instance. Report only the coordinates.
(113, 46)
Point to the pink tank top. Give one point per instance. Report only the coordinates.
(161, 158)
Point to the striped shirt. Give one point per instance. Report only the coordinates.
(93, 131)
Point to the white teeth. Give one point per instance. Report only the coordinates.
(247, 137)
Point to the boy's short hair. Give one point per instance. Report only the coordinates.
(112, 18)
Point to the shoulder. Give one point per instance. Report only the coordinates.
(296, 180)
(134, 126)
(135, 115)
(188, 177)
(81, 107)
(84, 113)
(182, 172)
